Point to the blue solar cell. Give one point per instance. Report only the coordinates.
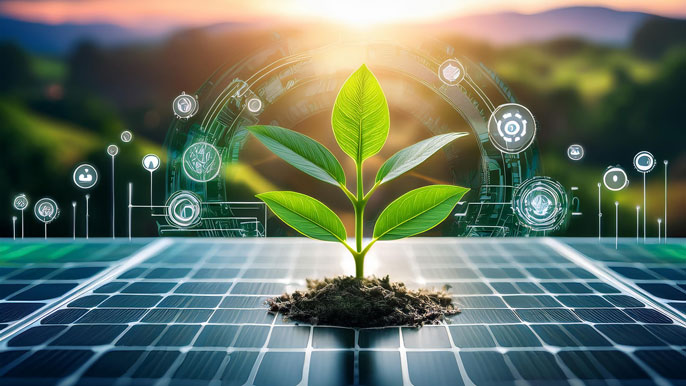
(515, 335)
(480, 302)
(8, 289)
(141, 335)
(250, 336)
(238, 369)
(426, 337)
(471, 336)
(14, 311)
(646, 315)
(536, 365)
(88, 301)
(175, 315)
(216, 273)
(200, 365)
(178, 335)
(216, 336)
(585, 301)
(488, 316)
(113, 364)
(168, 273)
(233, 301)
(148, 287)
(629, 335)
(486, 367)
(668, 363)
(31, 274)
(110, 287)
(603, 315)
(50, 364)
(77, 273)
(672, 334)
(547, 315)
(63, 316)
(214, 288)
(528, 301)
(242, 316)
(623, 301)
(155, 364)
(433, 368)
(290, 365)
(331, 337)
(379, 338)
(181, 301)
(44, 291)
(380, 368)
(131, 301)
(332, 368)
(289, 337)
(633, 273)
(664, 291)
(121, 315)
(81, 335)
(35, 336)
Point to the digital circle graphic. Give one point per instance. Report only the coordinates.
(615, 179)
(540, 204)
(254, 105)
(575, 152)
(151, 162)
(85, 176)
(20, 202)
(201, 162)
(451, 72)
(126, 136)
(46, 210)
(511, 128)
(112, 150)
(183, 209)
(644, 161)
(185, 106)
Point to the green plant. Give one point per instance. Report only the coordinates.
(360, 122)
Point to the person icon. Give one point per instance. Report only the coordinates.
(85, 176)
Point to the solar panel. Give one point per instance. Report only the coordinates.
(36, 275)
(191, 312)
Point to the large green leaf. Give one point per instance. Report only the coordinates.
(412, 156)
(306, 215)
(360, 117)
(302, 152)
(417, 211)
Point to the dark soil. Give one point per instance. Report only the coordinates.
(369, 302)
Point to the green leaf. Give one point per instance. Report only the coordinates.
(306, 215)
(301, 151)
(412, 156)
(417, 211)
(360, 117)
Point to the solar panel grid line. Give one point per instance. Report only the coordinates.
(588, 264)
(85, 286)
(570, 376)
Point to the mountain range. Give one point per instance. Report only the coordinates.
(596, 24)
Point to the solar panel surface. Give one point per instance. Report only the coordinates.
(191, 312)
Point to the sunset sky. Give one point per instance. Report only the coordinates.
(168, 13)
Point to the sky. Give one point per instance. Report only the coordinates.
(168, 13)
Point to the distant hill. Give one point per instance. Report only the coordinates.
(59, 38)
(596, 24)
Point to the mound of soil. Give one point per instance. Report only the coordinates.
(369, 302)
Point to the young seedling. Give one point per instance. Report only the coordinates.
(360, 122)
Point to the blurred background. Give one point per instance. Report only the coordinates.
(609, 75)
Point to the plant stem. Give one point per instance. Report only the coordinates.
(359, 223)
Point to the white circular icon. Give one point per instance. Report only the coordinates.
(254, 105)
(451, 72)
(126, 136)
(575, 152)
(201, 162)
(112, 150)
(151, 162)
(185, 106)
(511, 128)
(540, 203)
(615, 179)
(46, 210)
(85, 176)
(21, 202)
(644, 161)
(183, 209)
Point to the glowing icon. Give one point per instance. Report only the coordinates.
(126, 136)
(112, 150)
(201, 162)
(254, 105)
(46, 210)
(21, 202)
(575, 152)
(183, 209)
(540, 204)
(644, 162)
(151, 162)
(85, 176)
(451, 72)
(615, 179)
(511, 128)
(185, 106)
